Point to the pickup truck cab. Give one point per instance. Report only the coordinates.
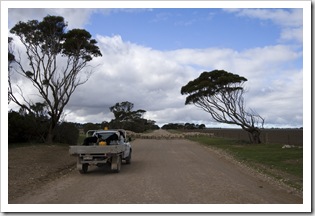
(108, 136)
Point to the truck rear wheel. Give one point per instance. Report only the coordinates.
(116, 163)
(85, 168)
(128, 159)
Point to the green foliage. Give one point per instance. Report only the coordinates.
(131, 120)
(79, 43)
(33, 128)
(268, 158)
(26, 128)
(50, 35)
(123, 111)
(211, 83)
(90, 126)
(81, 139)
(172, 126)
(136, 125)
(177, 126)
(66, 133)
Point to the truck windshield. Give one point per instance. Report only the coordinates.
(105, 135)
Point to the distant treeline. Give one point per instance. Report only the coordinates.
(33, 128)
(179, 126)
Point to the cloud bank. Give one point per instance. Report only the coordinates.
(152, 79)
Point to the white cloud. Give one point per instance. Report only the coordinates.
(281, 102)
(76, 17)
(292, 34)
(289, 17)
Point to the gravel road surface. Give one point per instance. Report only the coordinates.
(163, 172)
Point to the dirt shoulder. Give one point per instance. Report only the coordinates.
(31, 167)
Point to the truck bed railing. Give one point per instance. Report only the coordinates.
(75, 150)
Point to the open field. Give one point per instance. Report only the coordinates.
(280, 136)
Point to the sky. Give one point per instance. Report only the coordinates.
(149, 53)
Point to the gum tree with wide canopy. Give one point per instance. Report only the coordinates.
(54, 62)
(220, 93)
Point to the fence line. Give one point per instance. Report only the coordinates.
(281, 136)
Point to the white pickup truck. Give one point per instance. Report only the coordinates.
(103, 147)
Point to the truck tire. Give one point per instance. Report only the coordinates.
(85, 168)
(116, 163)
(128, 159)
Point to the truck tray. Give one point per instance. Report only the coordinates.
(75, 150)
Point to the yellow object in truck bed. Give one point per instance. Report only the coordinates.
(102, 143)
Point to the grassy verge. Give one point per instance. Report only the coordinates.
(81, 139)
(286, 164)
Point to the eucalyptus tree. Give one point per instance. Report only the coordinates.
(54, 61)
(220, 93)
(123, 111)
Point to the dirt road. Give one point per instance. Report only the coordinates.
(163, 172)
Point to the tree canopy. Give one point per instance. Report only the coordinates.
(209, 84)
(127, 118)
(123, 111)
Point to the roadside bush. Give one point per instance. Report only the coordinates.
(23, 128)
(91, 126)
(26, 128)
(66, 133)
(16, 128)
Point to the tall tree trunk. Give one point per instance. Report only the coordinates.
(49, 138)
(51, 129)
(254, 135)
